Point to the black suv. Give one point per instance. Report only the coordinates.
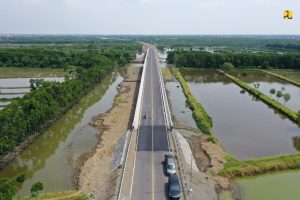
(174, 187)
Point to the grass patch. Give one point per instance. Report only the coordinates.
(297, 83)
(66, 195)
(167, 74)
(283, 109)
(236, 168)
(25, 72)
(202, 119)
(212, 139)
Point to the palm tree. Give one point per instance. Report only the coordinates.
(286, 97)
(272, 92)
(279, 94)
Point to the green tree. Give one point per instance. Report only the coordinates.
(7, 189)
(299, 115)
(228, 67)
(36, 188)
(20, 179)
(286, 97)
(272, 92)
(279, 94)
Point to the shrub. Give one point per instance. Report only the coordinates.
(212, 139)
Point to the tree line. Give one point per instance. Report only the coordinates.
(202, 59)
(295, 47)
(30, 114)
(43, 57)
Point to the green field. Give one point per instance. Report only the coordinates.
(24, 72)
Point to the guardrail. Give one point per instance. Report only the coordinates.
(174, 135)
(165, 99)
(135, 125)
(136, 119)
(181, 167)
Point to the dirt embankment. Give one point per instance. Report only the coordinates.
(97, 179)
(210, 159)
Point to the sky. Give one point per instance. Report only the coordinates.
(189, 17)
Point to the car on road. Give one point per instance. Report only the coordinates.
(170, 164)
(174, 187)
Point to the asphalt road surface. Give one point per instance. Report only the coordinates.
(150, 180)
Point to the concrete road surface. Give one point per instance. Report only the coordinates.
(150, 180)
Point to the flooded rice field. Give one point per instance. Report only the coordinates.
(265, 83)
(17, 87)
(246, 127)
(52, 157)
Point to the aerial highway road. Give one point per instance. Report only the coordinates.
(150, 180)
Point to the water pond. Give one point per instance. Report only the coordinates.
(52, 157)
(17, 87)
(246, 127)
(265, 83)
(276, 186)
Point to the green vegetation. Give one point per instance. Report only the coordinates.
(36, 188)
(297, 83)
(167, 74)
(45, 57)
(228, 67)
(38, 109)
(295, 47)
(272, 92)
(27, 72)
(7, 188)
(212, 139)
(286, 97)
(203, 120)
(201, 59)
(218, 42)
(283, 109)
(236, 168)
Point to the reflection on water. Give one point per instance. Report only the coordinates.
(296, 142)
(51, 157)
(178, 105)
(246, 127)
(277, 186)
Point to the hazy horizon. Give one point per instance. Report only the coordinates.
(148, 17)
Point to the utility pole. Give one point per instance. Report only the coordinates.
(191, 176)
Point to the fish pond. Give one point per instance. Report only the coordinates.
(275, 186)
(17, 87)
(265, 83)
(246, 127)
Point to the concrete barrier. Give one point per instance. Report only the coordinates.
(137, 113)
(165, 99)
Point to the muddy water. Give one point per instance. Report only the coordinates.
(276, 186)
(20, 82)
(264, 83)
(246, 127)
(179, 109)
(52, 157)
